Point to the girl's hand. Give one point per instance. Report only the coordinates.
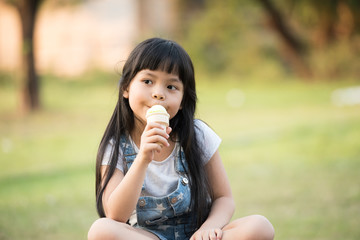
(207, 234)
(154, 138)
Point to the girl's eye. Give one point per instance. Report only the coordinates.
(147, 81)
(172, 87)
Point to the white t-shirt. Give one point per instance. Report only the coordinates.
(161, 177)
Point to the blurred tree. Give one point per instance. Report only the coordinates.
(320, 24)
(306, 38)
(28, 11)
(294, 47)
(330, 20)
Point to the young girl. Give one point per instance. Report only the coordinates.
(152, 184)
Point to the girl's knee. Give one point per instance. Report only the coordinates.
(253, 227)
(104, 228)
(261, 228)
(98, 230)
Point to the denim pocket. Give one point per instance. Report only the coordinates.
(156, 220)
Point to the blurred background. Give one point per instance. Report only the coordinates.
(278, 80)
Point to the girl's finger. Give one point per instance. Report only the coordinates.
(218, 233)
(168, 130)
(151, 125)
(212, 234)
(159, 140)
(156, 131)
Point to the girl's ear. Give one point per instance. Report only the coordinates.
(126, 94)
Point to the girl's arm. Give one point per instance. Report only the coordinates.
(223, 204)
(122, 192)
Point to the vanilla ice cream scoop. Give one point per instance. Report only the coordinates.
(158, 113)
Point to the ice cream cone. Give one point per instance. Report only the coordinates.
(158, 113)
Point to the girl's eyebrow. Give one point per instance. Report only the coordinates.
(172, 79)
(150, 74)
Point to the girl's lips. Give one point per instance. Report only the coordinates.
(157, 104)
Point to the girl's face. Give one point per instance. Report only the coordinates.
(153, 87)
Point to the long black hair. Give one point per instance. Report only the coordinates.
(168, 56)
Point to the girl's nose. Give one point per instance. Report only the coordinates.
(158, 96)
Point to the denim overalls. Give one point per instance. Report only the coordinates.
(167, 217)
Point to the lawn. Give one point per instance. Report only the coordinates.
(290, 153)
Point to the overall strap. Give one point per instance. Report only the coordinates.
(128, 151)
(129, 154)
(181, 165)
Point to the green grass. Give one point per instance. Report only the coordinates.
(290, 154)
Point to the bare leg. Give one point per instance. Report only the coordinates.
(255, 227)
(108, 229)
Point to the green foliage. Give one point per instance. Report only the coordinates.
(338, 59)
(223, 39)
(311, 13)
(290, 154)
(235, 38)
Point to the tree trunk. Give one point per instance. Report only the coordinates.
(30, 88)
(294, 49)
